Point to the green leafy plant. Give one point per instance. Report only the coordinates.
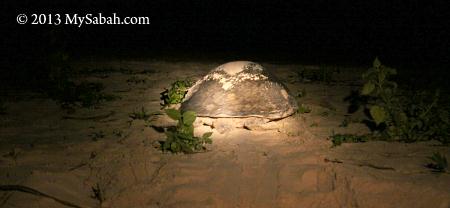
(381, 90)
(95, 136)
(175, 94)
(62, 87)
(401, 115)
(338, 139)
(140, 114)
(118, 132)
(302, 108)
(85, 94)
(181, 138)
(439, 163)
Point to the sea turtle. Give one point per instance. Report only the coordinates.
(239, 94)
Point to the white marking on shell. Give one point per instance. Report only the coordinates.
(228, 82)
(231, 77)
(227, 85)
(285, 94)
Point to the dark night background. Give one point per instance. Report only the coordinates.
(404, 34)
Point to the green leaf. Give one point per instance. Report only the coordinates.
(368, 88)
(189, 117)
(440, 162)
(185, 136)
(181, 139)
(175, 147)
(381, 77)
(169, 135)
(378, 114)
(208, 140)
(376, 63)
(186, 148)
(198, 147)
(400, 117)
(173, 114)
(207, 135)
(186, 129)
(176, 92)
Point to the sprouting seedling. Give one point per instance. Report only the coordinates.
(439, 163)
(95, 136)
(302, 108)
(140, 114)
(338, 139)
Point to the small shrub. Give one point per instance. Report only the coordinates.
(338, 139)
(400, 115)
(85, 94)
(118, 132)
(302, 108)
(181, 138)
(61, 87)
(175, 94)
(439, 163)
(140, 114)
(95, 136)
